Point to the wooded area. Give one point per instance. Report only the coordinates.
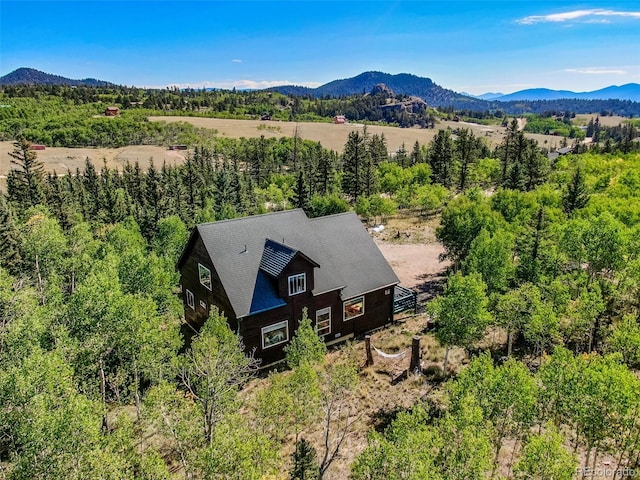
(95, 381)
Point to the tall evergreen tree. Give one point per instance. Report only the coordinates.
(416, 154)
(467, 148)
(576, 195)
(25, 185)
(401, 157)
(441, 158)
(353, 160)
(301, 193)
(9, 239)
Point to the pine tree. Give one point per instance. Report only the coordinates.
(416, 154)
(467, 148)
(401, 157)
(9, 239)
(353, 159)
(305, 464)
(301, 194)
(441, 158)
(576, 196)
(378, 149)
(25, 186)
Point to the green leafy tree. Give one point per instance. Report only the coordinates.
(524, 310)
(213, 370)
(492, 257)
(461, 222)
(460, 313)
(507, 396)
(624, 338)
(582, 318)
(305, 347)
(544, 456)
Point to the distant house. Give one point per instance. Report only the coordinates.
(263, 270)
(265, 116)
(34, 146)
(559, 152)
(339, 119)
(111, 111)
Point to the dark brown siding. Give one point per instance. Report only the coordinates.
(297, 265)
(378, 311)
(190, 279)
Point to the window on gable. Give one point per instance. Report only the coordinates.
(191, 300)
(205, 276)
(275, 334)
(297, 284)
(354, 308)
(323, 321)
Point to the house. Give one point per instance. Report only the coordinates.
(559, 152)
(339, 119)
(111, 111)
(263, 270)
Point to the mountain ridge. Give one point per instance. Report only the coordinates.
(401, 84)
(31, 76)
(628, 91)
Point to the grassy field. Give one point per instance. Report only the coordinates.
(62, 159)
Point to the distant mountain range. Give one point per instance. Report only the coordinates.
(31, 76)
(630, 91)
(400, 84)
(613, 99)
(433, 94)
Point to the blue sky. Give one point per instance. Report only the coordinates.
(470, 46)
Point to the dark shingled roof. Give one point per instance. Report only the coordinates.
(275, 257)
(346, 253)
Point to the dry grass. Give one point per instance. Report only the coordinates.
(334, 137)
(612, 121)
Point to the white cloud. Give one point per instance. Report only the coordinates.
(595, 14)
(236, 60)
(243, 84)
(597, 71)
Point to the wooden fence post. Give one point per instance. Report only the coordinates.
(367, 346)
(415, 354)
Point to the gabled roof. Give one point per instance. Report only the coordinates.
(276, 256)
(242, 249)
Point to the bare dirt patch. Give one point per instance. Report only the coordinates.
(411, 248)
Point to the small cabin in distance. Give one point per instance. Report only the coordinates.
(111, 112)
(262, 271)
(339, 119)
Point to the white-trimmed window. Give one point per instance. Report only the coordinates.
(353, 308)
(275, 334)
(191, 300)
(205, 276)
(297, 284)
(323, 321)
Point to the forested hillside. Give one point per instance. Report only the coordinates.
(96, 381)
